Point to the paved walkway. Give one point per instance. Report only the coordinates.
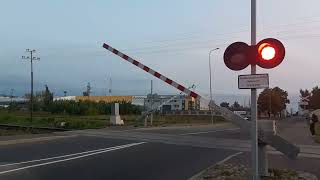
(296, 130)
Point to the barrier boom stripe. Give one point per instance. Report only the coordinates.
(151, 71)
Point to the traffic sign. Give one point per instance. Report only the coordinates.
(253, 81)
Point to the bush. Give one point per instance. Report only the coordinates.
(79, 123)
(91, 108)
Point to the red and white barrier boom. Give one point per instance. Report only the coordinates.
(152, 72)
(276, 141)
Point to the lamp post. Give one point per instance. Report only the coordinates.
(210, 80)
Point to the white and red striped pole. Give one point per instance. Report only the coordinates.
(227, 114)
(152, 72)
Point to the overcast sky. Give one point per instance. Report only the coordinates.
(173, 37)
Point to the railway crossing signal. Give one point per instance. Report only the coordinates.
(238, 57)
(267, 54)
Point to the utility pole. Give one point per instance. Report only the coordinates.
(151, 116)
(11, 96)
(11, 99)
(210, 108)
(110, 86)
(31, 58)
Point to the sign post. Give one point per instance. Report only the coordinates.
(254, 134)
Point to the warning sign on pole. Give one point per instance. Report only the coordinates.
(254, 81)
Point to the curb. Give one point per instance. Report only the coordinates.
(29, 140)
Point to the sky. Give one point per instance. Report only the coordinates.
(172, 37)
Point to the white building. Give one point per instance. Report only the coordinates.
(65, 98)
(165, 103)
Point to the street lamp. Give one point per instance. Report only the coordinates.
(210, 80)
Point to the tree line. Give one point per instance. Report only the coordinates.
(271, 101)
(43, 101)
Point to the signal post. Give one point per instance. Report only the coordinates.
(268, 53)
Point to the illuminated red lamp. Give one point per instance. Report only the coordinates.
(270, 53)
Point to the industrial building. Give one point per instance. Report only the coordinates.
(166, 103)
(108, 99)
(163, 103)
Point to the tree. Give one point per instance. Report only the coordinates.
(236, 106)
(88, 91)
(47, 97)
(224, 104)
(272, 101)
(315, 98)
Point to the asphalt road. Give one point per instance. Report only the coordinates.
(226, 131)
(140, 161)
(145, 153)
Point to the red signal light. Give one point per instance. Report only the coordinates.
(270, 53)
(267, 51)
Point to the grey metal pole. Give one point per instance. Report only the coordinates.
(31, 58)
(151, 115)
(211, 81)
(11, 96)
(254, 136)
(31, 96)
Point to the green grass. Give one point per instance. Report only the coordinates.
(43, 119)
(47, 120)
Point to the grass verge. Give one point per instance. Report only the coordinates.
(42, 119)
(230, 171)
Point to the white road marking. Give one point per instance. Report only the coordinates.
(205, 132)
(58, 157)
(72, 158)
(229, 157)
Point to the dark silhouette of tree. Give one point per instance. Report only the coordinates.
(88, 91)
(272, 101)
(224, 104)
(47, 97)
(315, 98)
(236, 106)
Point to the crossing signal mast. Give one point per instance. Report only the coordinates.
(268, 53)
